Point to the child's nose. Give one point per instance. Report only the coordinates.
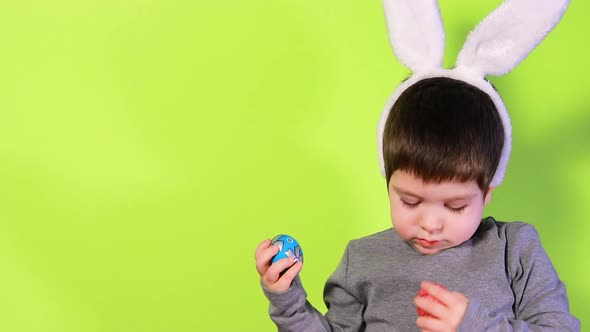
(431, 223)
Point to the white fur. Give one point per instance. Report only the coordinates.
(506, 36)
(497, 45)
(416, 33)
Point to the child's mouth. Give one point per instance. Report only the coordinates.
(427, 244)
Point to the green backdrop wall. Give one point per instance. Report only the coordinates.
(147, 147)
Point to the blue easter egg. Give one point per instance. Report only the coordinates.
(288, 247)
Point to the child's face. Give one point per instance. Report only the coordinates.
(433, 217)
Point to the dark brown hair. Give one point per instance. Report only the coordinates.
(441, 129)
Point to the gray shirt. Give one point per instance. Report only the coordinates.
(502, 269)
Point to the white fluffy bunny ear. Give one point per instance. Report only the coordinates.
(506, 36)
(497, 45)
(416, 33)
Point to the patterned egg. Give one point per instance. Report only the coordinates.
(288, 247)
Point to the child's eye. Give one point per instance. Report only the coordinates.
(409, 205)
(456, 209)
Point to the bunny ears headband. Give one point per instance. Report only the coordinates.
(497, 45)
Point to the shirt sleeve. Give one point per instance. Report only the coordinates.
(540, 298)
(291, 311)
(345, 310)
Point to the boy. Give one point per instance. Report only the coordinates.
(444, 142)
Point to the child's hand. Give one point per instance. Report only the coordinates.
(446, 314)
(271, 275)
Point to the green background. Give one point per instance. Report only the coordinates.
(147, 147)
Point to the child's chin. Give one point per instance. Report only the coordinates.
(427, 251)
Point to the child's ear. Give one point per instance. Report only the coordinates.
(488, 196)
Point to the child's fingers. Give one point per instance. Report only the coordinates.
(264, 244)
(438, 292)
(430, 324)
(450, 308)
(430, 306)
(273, 273)
(264, 256)
(287, 278)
